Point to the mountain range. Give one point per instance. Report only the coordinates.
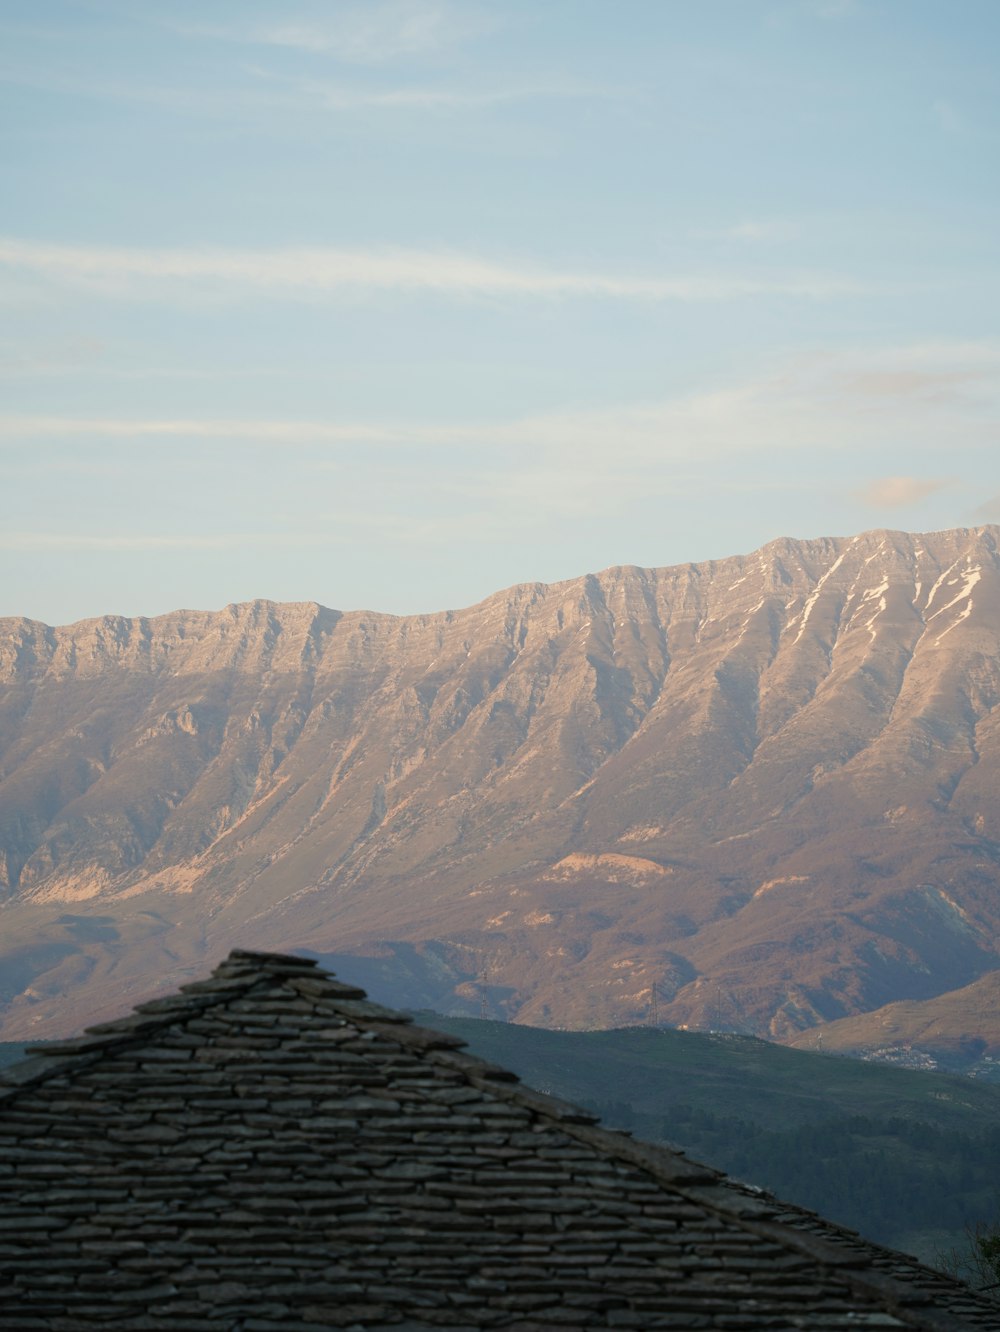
(758, 794)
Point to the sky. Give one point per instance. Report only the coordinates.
(392, 304)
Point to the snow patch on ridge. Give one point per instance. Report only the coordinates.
(749, 616)
(870, 595)
(814, 596)
(933, 592)
(972, 575)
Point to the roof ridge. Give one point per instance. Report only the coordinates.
(238, 973)
(761, 1212)
(756, 1209)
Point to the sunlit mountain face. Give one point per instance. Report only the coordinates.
(760, 793)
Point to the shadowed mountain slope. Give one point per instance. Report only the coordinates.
(770, 785)
(960, 1028)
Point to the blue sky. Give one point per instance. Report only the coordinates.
(392, 304)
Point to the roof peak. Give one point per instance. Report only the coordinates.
(241, 970)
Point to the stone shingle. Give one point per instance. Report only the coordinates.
(269, 1150)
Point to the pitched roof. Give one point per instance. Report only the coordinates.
(267, 1150)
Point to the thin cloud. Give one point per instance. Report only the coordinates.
(309, 272)
(930, 376)
(332, 96)
(823, 10)
(40, 366)
(277, 432)
(917, 384)
(989, 511)
(363, 34)
(342, 527)
(939, 357)
(832, 9)
(225, 103)
(41, 541)
(811, 403)
(27, 541)
(567, 466)
(752, 231)
(826, 9)
(899, 492)
(273, 94)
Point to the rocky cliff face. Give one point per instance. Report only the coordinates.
(769, 786)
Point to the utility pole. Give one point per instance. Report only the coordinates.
(654, 1014)
(483, 1004)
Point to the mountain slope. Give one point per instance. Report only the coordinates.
(768, 784)
(960, 1029)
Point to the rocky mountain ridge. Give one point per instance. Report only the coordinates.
(767, 786)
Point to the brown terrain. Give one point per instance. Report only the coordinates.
(958, 1026)
(769, 785)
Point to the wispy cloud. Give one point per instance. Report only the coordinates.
(37, 364)
(812, 403)
(427, 484)
(818, 9)
(263, 92)
(330, 95)
(187, 98)
(832, 9)
(278, 432)
(83, 541)
(370, 33)
(899, 492)
(914, 384)
(763, 230)
(311, 272)
(925, 374)
(343, 528)
(988, 511)
(28, 541)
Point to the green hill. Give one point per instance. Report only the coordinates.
(906, 1157)
(10, 1052)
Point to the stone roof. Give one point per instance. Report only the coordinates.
(267, 1150)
